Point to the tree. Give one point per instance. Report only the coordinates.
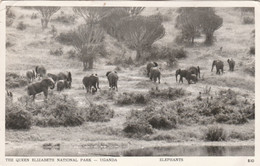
(193, 21)
(88, 41)
(91, 15)
(46, 13)
(140, 32)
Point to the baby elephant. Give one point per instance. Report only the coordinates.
(62, 84)
(231, 64)
(112, 78)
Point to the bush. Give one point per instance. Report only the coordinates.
(66, 38)
(252, 50)
(34, 16)
(72, 54)
(179, 53)
(14, 80)
(137, 128)
(21, 26)
(56, 52)
(122, 61)
(248, 20)
(58, 110)
(250, 71)
(170, 93)
(215, 133)
(65, 19)
(132, 98)
(99, 113)
(17, 117)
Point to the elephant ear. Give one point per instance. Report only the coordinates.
(228, 60)
(36, 69)
(108, 73)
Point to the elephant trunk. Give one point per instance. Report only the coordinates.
(98, 83)
(176, 77)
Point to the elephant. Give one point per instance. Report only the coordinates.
(40, 71)
(186, 74)
(65, 76)
(42, 86)
(149, 66)
(30, 76)
(62, 84)
(154, 74)
(91, 83)
(195, 70)
(112, 79)
(53, 76)
(219, 66)
(231, 64)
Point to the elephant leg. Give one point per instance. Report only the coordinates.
(33, 97)
(45, 92)
(159, 78)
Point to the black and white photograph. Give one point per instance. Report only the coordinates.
(121, 81)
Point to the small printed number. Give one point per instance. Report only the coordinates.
(250, 160)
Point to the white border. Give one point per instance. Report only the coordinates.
(212, 161)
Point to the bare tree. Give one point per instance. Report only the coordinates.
(134, 11)
(140, 32)
(46, 13)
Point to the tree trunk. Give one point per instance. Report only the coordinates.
(44, 22)
(209, 39)
(138, 54)
(84, 66)
(90, 63)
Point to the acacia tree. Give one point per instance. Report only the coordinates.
(140, 32)
(46, 13)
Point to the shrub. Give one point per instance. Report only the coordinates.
(252, 50)
(137, 128)
(17, 117)
(170, 93)
(72, 54)
(58, 110)
(21, 26)
(250, 71)
(215, 133)
(65, 19)
(179, 53)
(34, 16)
(99, 113)
(56, 52)
(122, 61)
(132, 98)
(14, 80)
(248, 20)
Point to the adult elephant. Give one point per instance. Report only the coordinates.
(231, 64)
(40, 71)
(53, 76)
(41, 86)
(112, 79)
(186, 74)
(65, 76)
(62, 84)
(154, 74)
(30, 76)
(91, 81)
(149, 66)
(219, 66)
(195, 70)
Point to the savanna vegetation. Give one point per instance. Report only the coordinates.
(141, 113)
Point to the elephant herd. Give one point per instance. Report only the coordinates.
(191, 74)
(63, 80)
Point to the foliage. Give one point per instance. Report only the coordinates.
(132, 98)
(248, 20)
(215, 133)
(17, 117)
(170, 93)
(193, 21)
(65, 19)
(137, 128)
(99, 113)
(21, 26)
(10, 16)
(252, 50)
(13, 80)
(46, 13)
(58, 110)
(140, 32)
(56, 52)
